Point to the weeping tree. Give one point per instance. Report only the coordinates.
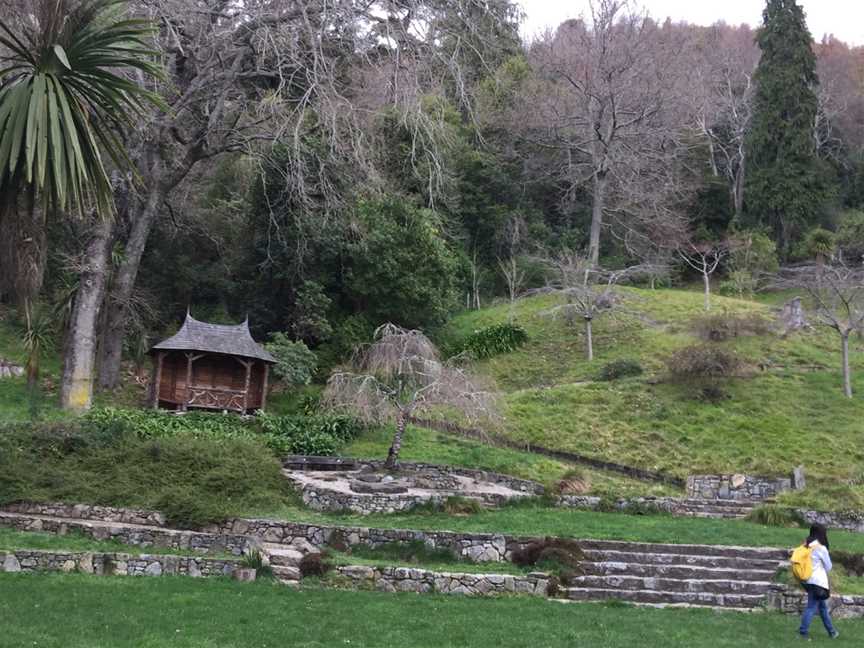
(399, 375)
(67, 94)
(836, 293)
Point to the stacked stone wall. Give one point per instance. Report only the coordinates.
(423, 581)
(118, 564)
(736, 487)
(791, 600)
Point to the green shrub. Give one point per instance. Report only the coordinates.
(556, 555)
(193, 480)
(295, 363)
(618, 369)
(702, 361)
(495, 340)
(719, 327)
(776, 516)
(155, 424)
(321, 435)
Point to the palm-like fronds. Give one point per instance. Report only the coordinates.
(64, 99)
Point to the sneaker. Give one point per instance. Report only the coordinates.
(805, 637)
(835, 635)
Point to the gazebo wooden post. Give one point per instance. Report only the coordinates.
(265, 386)
(248, 365)
(157, 379)
(189, 358)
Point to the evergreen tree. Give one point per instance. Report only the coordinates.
(787, 187)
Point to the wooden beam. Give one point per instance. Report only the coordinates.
(246, 388)
(265, 386)
(157, 379)
(190, 358)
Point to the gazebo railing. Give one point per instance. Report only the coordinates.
(215, 398)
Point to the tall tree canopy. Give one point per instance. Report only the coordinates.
(786, 181)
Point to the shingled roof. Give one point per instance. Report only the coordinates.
(230, 339)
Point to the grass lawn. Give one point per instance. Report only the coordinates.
(77, 611)
(787, 409)
(529, 520)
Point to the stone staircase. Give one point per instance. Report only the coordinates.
(719, 508)
(284, 561)
(666, 574)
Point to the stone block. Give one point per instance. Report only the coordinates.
(244, 574)
(11, 564)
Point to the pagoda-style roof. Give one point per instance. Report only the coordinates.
(230, 339)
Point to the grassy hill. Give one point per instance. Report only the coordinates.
(785, 409)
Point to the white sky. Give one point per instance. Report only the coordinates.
(843, 18)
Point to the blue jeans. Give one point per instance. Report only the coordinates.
(814, 605)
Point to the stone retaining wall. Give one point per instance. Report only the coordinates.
(142, 536)
(321, 499)
(119, 564)
(89, 512)
(477, 547)
(848, 521)
(737, 487)
(422, 581)
(431, 470)
(791, 600)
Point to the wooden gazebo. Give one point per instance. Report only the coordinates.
(210, 366)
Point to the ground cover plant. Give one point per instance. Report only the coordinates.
(192, 480)
(188, 613)
(12, 539)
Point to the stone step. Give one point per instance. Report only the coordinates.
(690, 560)
(718, 551)
(692, 585)
(286, 574)
(726, 503)
(282, 556)
(660, 597)
(611, 568)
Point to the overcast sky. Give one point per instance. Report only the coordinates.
(843, 18)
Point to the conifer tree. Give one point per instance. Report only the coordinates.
(787, 186)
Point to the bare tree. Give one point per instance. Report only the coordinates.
(588, 291)
(705, 258)
(724, 61)
(399, 375)
(514, 275)
(837, 295)
(601, 102)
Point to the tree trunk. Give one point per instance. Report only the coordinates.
(738, 192)
(121, 291)
(589, 340)
(847, 379)
(396, 446)
(76, 390)
(706, 279)
(23, 251)
(597, 218)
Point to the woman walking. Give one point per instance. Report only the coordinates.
(818, 589)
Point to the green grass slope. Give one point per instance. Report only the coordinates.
(787, 409)
(78, 611)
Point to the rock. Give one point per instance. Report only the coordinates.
(68, 566)
(153, 569)
(798, 480)
(244, 574)
(370, 478)
(193, 570)
(792, 316)
(10, 370)
(386, 488)
(738, 481)
(85, 564)
(11, 564)
(387, 478)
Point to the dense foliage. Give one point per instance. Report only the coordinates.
(295, 363)
(318, 434)
(495, 340)
(193, 480)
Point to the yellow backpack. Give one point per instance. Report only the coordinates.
(802, 563)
